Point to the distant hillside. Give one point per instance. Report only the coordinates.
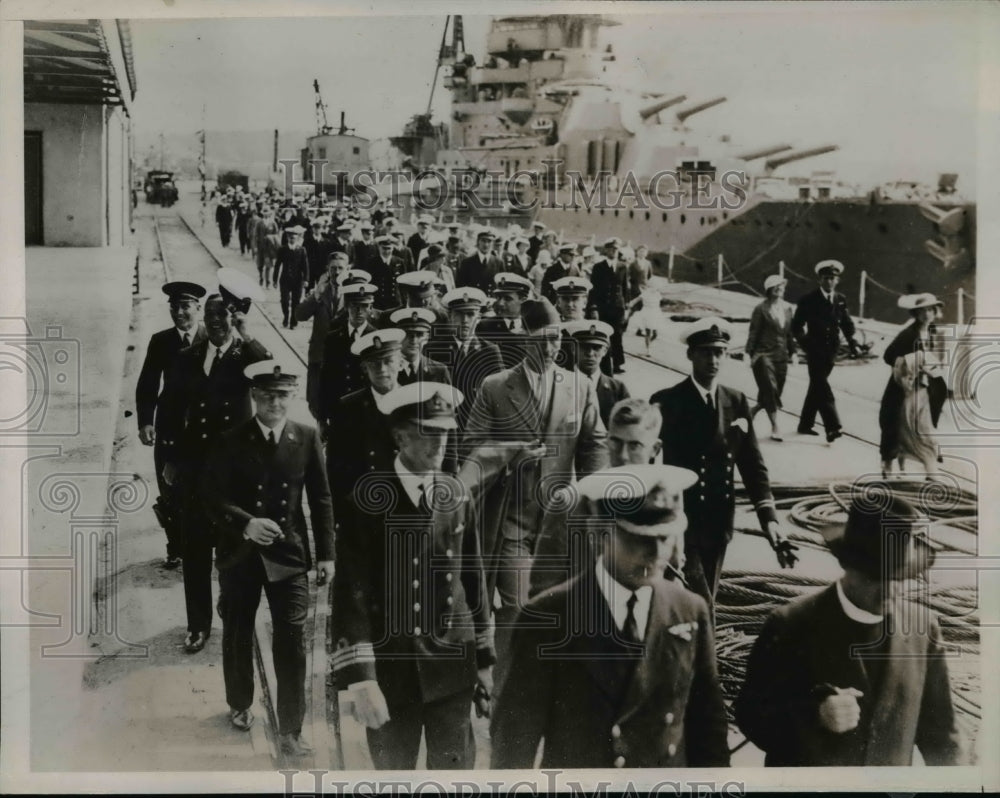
(249, 151)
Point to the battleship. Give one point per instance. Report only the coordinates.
(546, 94)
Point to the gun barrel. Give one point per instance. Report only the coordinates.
(659, 105)
(697, 109)
(753, 155)
(774, 163)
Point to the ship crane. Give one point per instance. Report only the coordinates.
(322, 125)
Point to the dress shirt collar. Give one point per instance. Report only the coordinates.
(617, 596)
(266, 430)
(412, 483)
(189, 333)
(827, 296)
(595, 378)
(853, 611)
(353, 332)
(703, 393)
(212, 349)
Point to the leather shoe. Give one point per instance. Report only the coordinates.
(833, 434)
(195, 642)
(294, 745)
(241, 719)
(809, 431)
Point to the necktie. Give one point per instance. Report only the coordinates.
(630, 630)
(185, 339)
(510, 325)
(215, 362)
(709, 403)
(272, 443)
(423, 504)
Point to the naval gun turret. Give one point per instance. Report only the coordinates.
(660, 105)
(773, 163)
(763, 152)
(686, 113)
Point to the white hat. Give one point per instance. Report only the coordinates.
(643, 499)
(917, 301)
(836, 265)
(413, 317)
(509, 281)
(774, 280)
(589, 330)
(572, 285)
(709, 331)
(464, 297)
(429, 404)
(378, 343)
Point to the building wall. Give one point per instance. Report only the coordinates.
(85, 174)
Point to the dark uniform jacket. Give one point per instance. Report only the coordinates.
(806, 645)
(164, 346)
(210, 405)
(415, 244)
(420, 627)
(361, 443)
(711, 448)
(291, 267)
(598, 704)
(341, 373)
(478, 271)
(817, 324)
(609, 392)
(467, 370)
(384, 275)
(510, 344)
(428, 370)
(245, 480)
(607, 295)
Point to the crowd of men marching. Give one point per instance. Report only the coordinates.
(506, 530)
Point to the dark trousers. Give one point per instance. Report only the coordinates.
(703, 568)
(312, 390)
(244, 238)
(615, 357)
(170, 501)
(240, 586)
(513, 583)
(225, 233)
(447, 729)
(819, 396)
(290, 296)
(197, 570)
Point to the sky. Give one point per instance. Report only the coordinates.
(896, 86)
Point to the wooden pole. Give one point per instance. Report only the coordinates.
(670, 265)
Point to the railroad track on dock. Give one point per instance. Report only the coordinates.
(321, 717)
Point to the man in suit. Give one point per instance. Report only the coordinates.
(608, 299)
(535, 240)
(592, 339)
(418, 241)
(360, 442)
(855, 674)
(224, 220)
(384, 268)
(415, 366)
(469, 359)
(401, 251)
(341, 372)
(542, 408)
(157, 428)
(622, 673)
(342, 241)
(209, 391)
(707, 427)
(317, 252)
(291, 271)
(410, 616)
(478, 270)
(562, 268)
(322, 305)
(268, 240)
(820, 317)
(504, 328)
(254, 486)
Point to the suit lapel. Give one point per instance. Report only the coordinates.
(522, 399)
(559, 407)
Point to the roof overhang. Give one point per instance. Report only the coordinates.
(79, 62)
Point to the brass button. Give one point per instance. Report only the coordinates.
(282, 519)
(416, 630)
(671, 749)
(284, 484)
(616, 731)
(447, 577)
(449, 553)
(260, 487)
(449, 601)
(669, 717)
(204, 435)
(283, 502)
(225, 418)
(202, 404)
(619, 762)
(416, 561)
(416, 607)
(416, 584)
(259, 504)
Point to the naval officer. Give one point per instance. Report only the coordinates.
(157, 427)
(504, 328)
(410, 619)
(820, 317)
(624, 673)
(707, 427)
(254, 485)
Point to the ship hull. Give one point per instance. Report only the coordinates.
(886, 240)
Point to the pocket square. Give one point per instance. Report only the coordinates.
(684, 630)
(741, 423)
